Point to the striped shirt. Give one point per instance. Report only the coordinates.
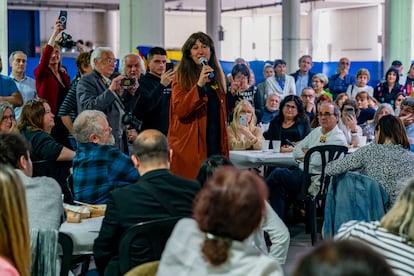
(396, 250)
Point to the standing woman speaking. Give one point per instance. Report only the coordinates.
(198, 107)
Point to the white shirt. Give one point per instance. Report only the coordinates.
(353, 90)
(272, 86)
(313, 139)
(182, 256)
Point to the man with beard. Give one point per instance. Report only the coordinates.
(98, 167)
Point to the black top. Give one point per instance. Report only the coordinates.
(153, 105)
(295, 133)
(383, 95)
(213, 122)
(133, 204)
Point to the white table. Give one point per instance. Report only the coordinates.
(254, 158)
(83, 234)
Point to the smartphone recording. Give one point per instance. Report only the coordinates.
(169, 66)
(63, 17)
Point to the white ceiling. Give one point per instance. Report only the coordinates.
(180, 5)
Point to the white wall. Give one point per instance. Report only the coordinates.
(326, 34)
(351, 32)
(80, 24)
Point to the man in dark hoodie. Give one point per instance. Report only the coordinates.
(154, 92)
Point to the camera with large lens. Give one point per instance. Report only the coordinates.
(129, 119)
(66, 41)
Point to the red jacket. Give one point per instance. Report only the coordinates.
(47, 85)
(188, 127)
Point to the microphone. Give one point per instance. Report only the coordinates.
(204, 62)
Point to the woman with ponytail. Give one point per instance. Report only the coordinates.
(227, 210)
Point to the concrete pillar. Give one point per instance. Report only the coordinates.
(291, 33)
(142, 23)
(397, 33)
(3, 37)
(213, 23)
(112, 35)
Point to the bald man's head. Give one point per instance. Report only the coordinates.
(151, 145)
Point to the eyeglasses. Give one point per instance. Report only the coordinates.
(326, 114)
(287, 106)
(10, 117)
(109, 60)
(307, 96)
(344, 63)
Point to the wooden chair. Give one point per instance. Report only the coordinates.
(144, 242)
(315, 204)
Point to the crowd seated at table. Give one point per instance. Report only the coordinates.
(299, 123)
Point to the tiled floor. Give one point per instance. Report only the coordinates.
(300, 243)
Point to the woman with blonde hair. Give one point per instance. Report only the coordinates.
(243, 132)
(53, 82)
(14, 229)
(227, 210)
(393, 236)
(7, 117)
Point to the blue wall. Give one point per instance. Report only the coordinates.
(374, 67)
(23, 31)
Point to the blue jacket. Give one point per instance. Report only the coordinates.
(296, 75)
(352, 196)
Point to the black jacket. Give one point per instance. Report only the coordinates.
(153, 105)
(133, 204)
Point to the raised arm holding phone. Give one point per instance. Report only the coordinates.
(53, 82)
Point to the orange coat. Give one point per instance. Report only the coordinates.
(188, 127)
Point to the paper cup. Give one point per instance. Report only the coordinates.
(362, 141)
(276, 145)
(265, 145)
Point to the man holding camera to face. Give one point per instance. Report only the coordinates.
(111, 94)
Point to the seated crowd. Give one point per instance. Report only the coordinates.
(116, 135)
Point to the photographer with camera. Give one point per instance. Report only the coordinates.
(53, 83)
(132, 66)
(102, 91)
